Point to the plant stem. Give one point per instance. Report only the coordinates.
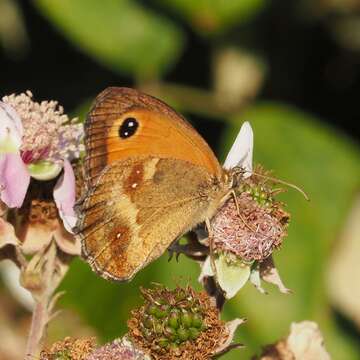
(37, 330)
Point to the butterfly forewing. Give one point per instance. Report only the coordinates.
(161, 132)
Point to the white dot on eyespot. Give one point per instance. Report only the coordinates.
(126, 133)
(118, 235)
(131, 123)
(134, 185)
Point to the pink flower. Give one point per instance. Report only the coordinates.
(37, 140)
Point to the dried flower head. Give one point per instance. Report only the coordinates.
(258, 229)
(178, 324)
(119, 349)
(305, 341)
(69, 349)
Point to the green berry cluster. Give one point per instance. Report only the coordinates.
(260, 194)
(170, 325)
(170, 318)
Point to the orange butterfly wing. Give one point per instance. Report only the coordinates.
(161, 132)
(151, 177)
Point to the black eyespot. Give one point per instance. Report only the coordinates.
(128, 127)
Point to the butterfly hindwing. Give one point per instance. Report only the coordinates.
(134, 212)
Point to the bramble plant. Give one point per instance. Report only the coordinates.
(40, 162)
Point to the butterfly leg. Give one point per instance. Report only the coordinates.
(192, 249)
(211, 247)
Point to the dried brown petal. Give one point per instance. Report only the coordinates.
(38, 222)
(9, 244)
(270, 274)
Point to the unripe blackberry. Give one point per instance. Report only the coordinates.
(170, 333)
(176, 324)
(186, 319)
(151, 309)
(173, 319)
(197, 321)
(193, 333)
(183, 334)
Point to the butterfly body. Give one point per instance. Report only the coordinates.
(150, 177)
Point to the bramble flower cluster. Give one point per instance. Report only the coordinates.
(39, 149)
(245, 234)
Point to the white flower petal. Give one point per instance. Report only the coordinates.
(11, 130)
(241, 152)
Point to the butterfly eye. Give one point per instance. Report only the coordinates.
(128, 127)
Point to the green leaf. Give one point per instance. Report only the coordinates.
(213, 16)
(119, 33)
(322, 160)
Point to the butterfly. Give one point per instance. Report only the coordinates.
(150, 178)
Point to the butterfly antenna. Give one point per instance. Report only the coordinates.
(293, 186)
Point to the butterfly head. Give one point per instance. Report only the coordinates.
(236, 176)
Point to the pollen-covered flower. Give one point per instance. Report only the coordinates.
(37, 140)
(246, 232)
(179, 324)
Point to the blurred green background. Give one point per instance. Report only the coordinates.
(291, 68)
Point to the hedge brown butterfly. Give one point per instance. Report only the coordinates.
(150, 178)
